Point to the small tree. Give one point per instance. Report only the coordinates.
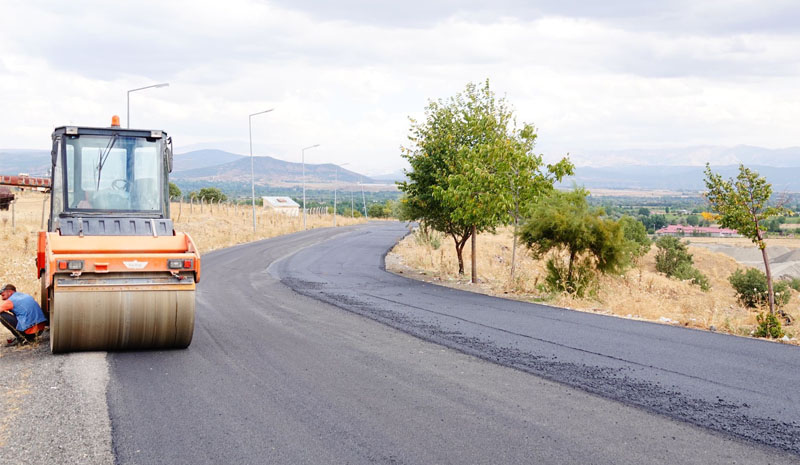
(742, 205)
(212, 194)
(174, 191)
(564, 223)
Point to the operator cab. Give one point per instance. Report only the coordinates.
(110, 178)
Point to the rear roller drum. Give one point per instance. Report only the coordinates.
(123, 319)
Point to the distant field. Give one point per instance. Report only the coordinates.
(641, 193)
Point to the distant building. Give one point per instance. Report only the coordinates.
(681, 230)
(283, 205)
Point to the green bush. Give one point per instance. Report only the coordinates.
(794, 283)
(580, 283)
(686, 271)
(674, 260)
(751, 288)
(768, 326)
(637, 242)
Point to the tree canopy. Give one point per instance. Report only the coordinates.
(469, 163)
(211, 194)
(174, 190)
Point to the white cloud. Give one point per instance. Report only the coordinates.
(591, 80)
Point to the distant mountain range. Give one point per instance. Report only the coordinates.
(678, 169)
(691, 156)
(209, 166)
(675, 178)
(204, 165)
(33, 162)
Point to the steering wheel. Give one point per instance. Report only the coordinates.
(120, 184)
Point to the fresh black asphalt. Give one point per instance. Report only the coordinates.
(273, 376)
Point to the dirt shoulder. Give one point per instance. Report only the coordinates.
(640, 293)
(54, 407)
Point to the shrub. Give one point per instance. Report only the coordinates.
(768, 326)
(427, 236)
(688, 272)
(794, 283)
(674, 260)
(751, 288)
(637, 242)
(580, 283)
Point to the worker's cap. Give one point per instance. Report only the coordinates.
(8, 287)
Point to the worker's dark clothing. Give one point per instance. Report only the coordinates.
(9, 320)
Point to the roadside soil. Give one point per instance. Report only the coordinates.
(640, 293)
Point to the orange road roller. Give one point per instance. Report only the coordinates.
(115, 275)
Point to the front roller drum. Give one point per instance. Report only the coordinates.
(121, 319)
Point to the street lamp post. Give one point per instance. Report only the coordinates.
(128, 120)
(364, 200)
(303, 159)
(252, 169)
(334, 191)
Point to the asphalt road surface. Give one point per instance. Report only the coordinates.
(297, 358)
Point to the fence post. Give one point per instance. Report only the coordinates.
(44, 204)
(202, 201)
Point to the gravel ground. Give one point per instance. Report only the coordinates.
(54, 406)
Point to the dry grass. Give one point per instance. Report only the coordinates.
(223, 226)
(641, 293)
(213, 228)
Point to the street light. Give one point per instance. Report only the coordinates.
(128, 120)
(252, 170)
(364, 200)
(334, 191)
(303, 158)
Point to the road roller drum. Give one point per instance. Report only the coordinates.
(114, 314)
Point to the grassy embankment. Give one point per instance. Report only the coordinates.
(213, 228)
(640, 293)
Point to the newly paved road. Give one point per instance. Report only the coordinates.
(274, 376)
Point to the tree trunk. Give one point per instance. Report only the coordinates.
(514, 250)
(459, 250)
(770, 292)
(569, 269)
(474, 256)
(514, 243)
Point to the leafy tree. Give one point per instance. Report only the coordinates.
(564, 223)
(527, 182)
(377, 210)
(674, 260)
(742, 205)
(465, 157)
(211, 194)
(636, 235)
(693, 220)
(644, 211)
(174, 190)
(752, 291)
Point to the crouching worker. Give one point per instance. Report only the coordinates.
(20, 314)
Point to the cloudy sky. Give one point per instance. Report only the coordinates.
(593, 77)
